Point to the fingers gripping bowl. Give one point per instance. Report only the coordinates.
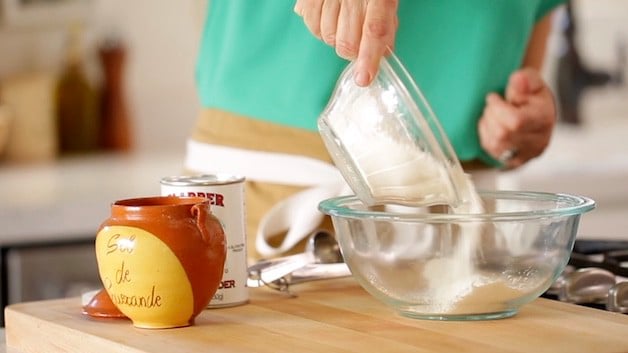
(427, 263)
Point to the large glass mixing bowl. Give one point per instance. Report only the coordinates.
(430, 264)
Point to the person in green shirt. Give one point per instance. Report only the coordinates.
(264, 75)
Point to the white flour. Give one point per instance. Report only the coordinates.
(395, 163)
(454, 277)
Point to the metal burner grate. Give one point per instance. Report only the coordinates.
(597, 276)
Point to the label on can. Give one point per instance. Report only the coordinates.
(226, 195)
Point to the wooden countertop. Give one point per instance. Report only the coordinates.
(326, 316)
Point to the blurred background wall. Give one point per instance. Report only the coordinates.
(160, 37)
(588, 155)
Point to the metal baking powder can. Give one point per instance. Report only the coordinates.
(226, 195)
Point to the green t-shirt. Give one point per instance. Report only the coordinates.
(258, 59)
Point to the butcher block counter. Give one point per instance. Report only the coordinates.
(324, 316)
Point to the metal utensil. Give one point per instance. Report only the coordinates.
(617, 300)
(321, 248)
(587, 285)
(315, 272)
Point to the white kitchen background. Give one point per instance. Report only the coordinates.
(162, 38)
(590, 158)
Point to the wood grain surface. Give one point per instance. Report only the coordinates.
(325, 316)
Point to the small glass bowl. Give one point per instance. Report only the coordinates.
(443, 266)
(387, 142)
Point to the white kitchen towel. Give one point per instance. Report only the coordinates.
(297, 215)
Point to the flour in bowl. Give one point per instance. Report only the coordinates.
(437, 264)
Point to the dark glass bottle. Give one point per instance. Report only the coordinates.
(116, 133)
(77, 112)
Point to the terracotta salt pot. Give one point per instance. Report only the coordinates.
(161, 259)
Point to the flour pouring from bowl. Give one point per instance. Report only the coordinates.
(393, 153)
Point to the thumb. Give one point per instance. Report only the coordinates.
(522, 84)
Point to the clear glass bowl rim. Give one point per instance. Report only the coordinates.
(572, 205)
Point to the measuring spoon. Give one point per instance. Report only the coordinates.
(321, 248)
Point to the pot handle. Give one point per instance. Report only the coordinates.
(209, 225)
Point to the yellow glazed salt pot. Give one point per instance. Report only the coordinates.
(161, 259)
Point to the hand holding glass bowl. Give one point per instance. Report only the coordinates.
(387, 142)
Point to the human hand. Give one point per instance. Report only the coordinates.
(363, 30)
(518, 127)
